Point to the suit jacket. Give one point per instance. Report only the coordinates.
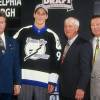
(75, 71)
(9, 66)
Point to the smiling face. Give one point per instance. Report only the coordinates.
(70, 27)
(95, 26)
(40, 17)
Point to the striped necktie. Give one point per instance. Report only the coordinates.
(96, 50)
(67, 46)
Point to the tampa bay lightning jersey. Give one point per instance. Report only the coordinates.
(40, 50)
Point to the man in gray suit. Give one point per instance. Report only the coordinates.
(95, 76)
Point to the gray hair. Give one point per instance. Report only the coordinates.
(72, 20)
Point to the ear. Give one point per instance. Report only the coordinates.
(46, 16)
(33, 15)
(77, 28)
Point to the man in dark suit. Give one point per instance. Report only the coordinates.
(76, 63)
(9, 64)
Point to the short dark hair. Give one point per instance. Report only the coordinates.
(95, 16)
(2, 14)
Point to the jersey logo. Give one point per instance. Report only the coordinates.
(35, 49)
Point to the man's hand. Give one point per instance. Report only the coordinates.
(50, 88)
(79, 94)
(17, 89)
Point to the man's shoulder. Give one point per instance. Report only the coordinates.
(22, 30)
(83, 40)
(52, 33)
(55, 37)
(84, 44)
(11, 40)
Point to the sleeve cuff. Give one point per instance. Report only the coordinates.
(53, 78)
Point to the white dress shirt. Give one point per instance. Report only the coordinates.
(71, 41)
(94, 43)
(3, 38)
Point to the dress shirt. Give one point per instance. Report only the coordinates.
(94, 43)
(71, 41)
(3, 38)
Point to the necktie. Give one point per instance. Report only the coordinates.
(65, 52)
(96, 50)
(1, 45)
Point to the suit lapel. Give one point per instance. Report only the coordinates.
(6, 49)
(72, 47)
(8, 44)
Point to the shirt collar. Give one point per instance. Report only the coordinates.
(72, 40)
(95, 38)
(2, 35)
(3, 38)
(39, 31)
(95, 41)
